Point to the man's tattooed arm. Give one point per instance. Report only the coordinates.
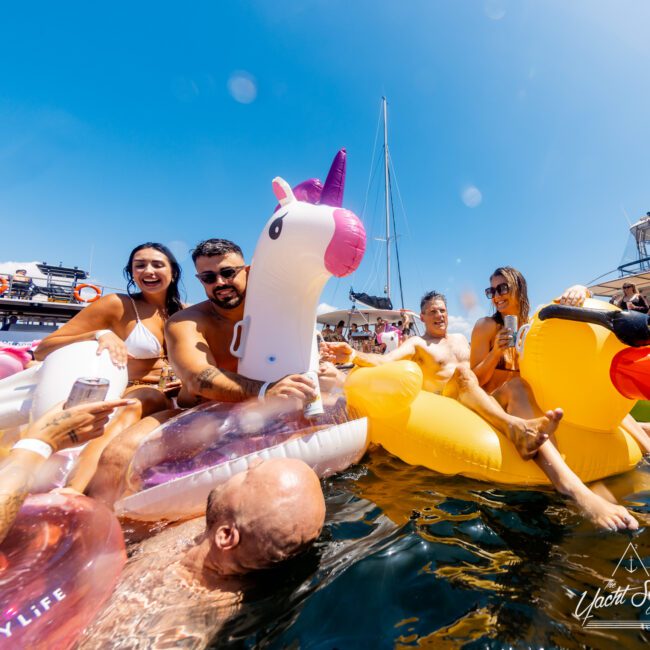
(224, 386)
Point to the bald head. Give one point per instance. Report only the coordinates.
(265, 515)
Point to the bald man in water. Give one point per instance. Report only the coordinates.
(181, 586)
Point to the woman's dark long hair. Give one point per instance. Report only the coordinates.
(173, 299)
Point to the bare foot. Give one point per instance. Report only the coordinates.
(604, 514)
(529, 435)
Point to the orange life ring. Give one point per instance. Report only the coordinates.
(4, 285)
(79, 287)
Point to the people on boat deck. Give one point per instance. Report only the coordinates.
(55, 430)
(631, 299)
(131, 327)
(338, 331)
(327, 332)
(20, 284)
(195, 571)
(495, 363)
(444, 359)
(198, 338)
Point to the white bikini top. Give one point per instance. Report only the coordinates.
(141, 343)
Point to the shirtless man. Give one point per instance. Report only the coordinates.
(444, 359)
(181, 586)
(198, 338)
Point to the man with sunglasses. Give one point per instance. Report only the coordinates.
(198, 338)
(444, 359)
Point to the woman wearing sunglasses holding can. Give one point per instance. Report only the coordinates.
(131, 328)
(495, 362)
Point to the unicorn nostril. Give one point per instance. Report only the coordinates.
(346, 249)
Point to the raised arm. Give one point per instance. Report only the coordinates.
(195, 365)
(105, 314)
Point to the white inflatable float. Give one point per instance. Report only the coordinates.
(178, 465)
(32, 392)
(302, 245)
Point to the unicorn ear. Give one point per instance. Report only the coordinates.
(282, 190)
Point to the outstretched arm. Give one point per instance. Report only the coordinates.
(344, 353)
(57, 430)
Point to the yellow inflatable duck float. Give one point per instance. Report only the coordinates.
(593, 361)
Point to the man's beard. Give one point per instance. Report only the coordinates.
(230, 302)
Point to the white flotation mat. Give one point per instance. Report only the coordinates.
(327, 451)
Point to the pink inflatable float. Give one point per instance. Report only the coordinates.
(58, 566)
(13, 360)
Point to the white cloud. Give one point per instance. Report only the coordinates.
(31, 268)
(460, 325)
(323, 308)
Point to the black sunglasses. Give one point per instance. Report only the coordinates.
(500, 290)
(227, 273)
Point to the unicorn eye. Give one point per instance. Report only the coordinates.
(275, 229)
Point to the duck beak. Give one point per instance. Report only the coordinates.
(630, 373)
(630, 327)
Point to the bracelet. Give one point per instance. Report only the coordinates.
(37, 446)
(100, 333)
(262, 393)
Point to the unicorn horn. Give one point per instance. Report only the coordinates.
(332, 193)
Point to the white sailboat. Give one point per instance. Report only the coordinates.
(367, 309)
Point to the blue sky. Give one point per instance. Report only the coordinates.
(123, 123)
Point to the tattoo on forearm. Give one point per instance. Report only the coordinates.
(59, 419)
(231, 387)
(206, 377)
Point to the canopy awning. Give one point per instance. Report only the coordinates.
(367, 315)
(609, 288)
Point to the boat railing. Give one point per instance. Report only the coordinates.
(642, 263)
(21, 287)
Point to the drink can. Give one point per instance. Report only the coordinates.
(315, 407)
(87, 389)
(510, 322)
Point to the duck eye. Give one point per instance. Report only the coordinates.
(275, 229)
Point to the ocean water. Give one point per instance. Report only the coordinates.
(413, 559)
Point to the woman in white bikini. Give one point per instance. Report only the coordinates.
(131, 327)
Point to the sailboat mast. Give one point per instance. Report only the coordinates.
(386, 190)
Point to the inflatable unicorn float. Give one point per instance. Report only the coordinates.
(309, 238)
(64, 553)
